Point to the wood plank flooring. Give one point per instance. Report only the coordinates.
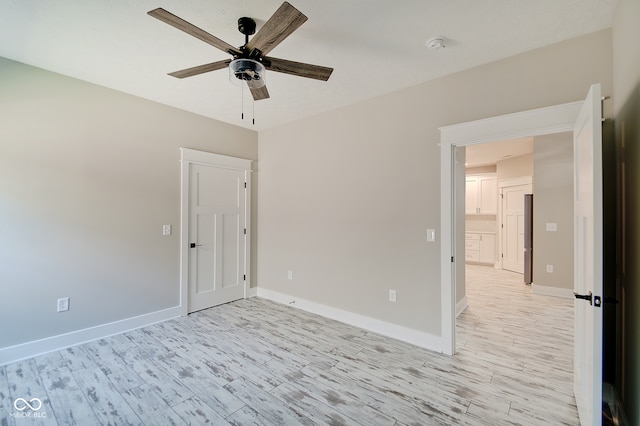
(254, 362)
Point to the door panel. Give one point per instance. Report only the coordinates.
(216, 236)
(587, 148)
(230, 237)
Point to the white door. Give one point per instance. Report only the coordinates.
(587, 151)
(217, 236)
(513, 227)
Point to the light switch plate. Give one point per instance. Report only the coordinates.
(431, 235)
(552, 227)
(63, 304)
(166, 229)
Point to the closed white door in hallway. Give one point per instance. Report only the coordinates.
(513, 227)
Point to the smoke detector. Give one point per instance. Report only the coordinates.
(436, 43)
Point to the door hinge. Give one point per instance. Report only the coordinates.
(245, 184)
(245, 231)
(452, 259)
(244, 277)
(602, 99)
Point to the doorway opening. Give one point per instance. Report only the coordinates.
(501, 234)
(583, 119)
(544, 121)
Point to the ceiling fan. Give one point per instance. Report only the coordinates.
(250, 61)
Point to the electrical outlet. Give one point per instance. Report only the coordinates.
(290, 275)
(63, 304)
(550, 268)
(392, 295)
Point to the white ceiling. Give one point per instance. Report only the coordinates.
(375, 47)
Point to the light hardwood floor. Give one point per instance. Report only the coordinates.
(256, 362)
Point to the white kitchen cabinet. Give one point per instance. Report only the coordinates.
(480, 248)
(481, 194)
(487, 248)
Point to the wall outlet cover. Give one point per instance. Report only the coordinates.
(63, 304)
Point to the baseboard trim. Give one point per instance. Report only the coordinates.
(566, 293)
(461, 306)
(405, 334)
(252, 292)
(49, 344)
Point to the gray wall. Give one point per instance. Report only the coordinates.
(626, 105)
(553, 201)
(88, 176)
(515, 167)
(346, 196)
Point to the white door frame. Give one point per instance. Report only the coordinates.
(542, 121)
(188, 157)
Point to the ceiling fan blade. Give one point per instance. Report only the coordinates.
(297, 68)
(201, 69)
(182, 25)
(282, 23)
(260, 93)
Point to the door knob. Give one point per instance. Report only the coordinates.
(194, 245)
(593, 300)
(588, 297)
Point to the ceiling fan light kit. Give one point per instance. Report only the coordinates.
(249, 63)
(247, 70)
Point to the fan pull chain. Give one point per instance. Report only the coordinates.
(242, 101)
(254, 112)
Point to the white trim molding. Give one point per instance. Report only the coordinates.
(49, 344)
(209, 158)
(536, 122)
(461, 305)
(566, 293)
(405, 334)
(542, 121)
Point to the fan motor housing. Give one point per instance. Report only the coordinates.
(246, 26)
